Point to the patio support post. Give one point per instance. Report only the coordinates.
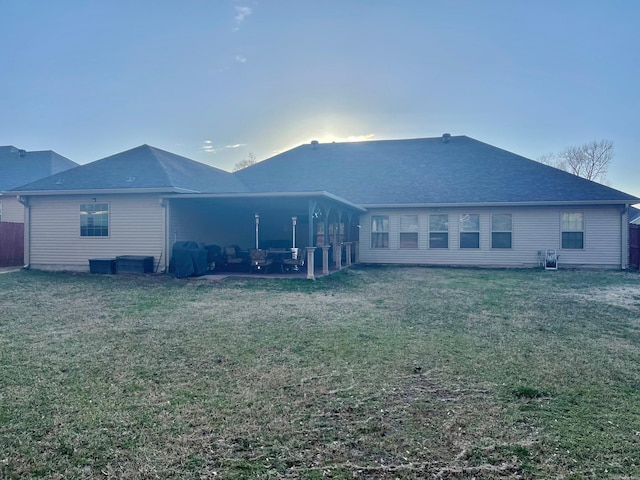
(310, 263)
(294, 220)
(325, 259)
(312, 230)
(326, 240)
(337, 245)
(347, 246)
(257, 228)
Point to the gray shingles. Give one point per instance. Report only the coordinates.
(386, 172)
(143, 167)
(422, 171)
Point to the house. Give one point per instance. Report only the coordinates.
(18, 167)
(634, 216)
(450, 200)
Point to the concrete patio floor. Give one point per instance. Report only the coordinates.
(302, 274)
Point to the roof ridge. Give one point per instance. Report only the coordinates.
(166, 152)
(161, 164)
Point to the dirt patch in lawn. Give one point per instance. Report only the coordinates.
(618, 295)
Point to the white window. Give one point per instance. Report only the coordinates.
(439, 231)
(94, 220)
(408, 231)
(379, 231)
(572, 226)
(470, 230)
(501, 229)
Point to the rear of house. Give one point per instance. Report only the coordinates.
(433, 201)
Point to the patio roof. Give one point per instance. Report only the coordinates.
(277, 200)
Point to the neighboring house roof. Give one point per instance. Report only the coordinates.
(18, 167)
(447, 170)
(141, 168)
(634, 215)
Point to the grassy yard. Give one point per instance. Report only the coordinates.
(368, 373)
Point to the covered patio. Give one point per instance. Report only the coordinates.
(320, 226)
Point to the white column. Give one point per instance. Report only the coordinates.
(310, 263)
(325, 259)
(347, 246)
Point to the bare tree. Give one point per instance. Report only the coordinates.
(590, 161)
(553, 160)
(247, 162)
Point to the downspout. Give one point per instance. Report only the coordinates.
(164, 203)
(624, 238)
(27, 231)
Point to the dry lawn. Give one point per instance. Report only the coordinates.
(369, 373)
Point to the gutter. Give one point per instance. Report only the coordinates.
(495, 204)
(102, 191)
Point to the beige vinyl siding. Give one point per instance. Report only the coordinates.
(12, 210)
(533, 230)
(136, 227)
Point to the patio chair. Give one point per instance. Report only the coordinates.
(551, 259)
(259, 261)
(232, 259)
(295, 262)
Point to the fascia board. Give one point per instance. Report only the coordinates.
(256, 195)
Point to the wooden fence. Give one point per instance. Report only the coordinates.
(634, 246)
(11, 244)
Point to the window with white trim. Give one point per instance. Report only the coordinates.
(439, 230)
(572, 227)
(408, 231)
(379, 231)
(501, 229)
(94, 220)
(470, 230)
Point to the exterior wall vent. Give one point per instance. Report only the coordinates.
(446, 137)
(314, 144)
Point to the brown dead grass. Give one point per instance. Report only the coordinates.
(372, 373)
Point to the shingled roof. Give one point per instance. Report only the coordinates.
(142, 168)
(426, 171)
(18, 167)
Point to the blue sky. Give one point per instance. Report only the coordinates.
(215, 80)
